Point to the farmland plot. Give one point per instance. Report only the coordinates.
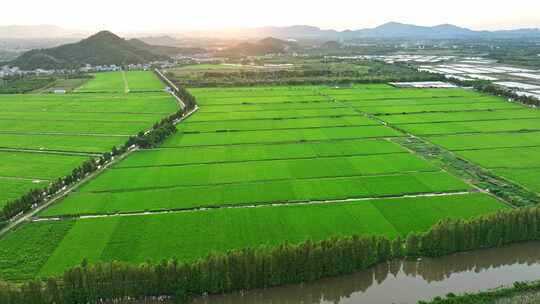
(111, 82)
(192, 235)
(255, 160)
(275, 124)
(238, 153)
(305, 167)
(488, 131)
(75, 126)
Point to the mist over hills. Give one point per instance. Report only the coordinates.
(388, 30)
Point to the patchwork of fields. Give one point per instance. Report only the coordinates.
(495, 134)
(44, 136)
(45, 248)
(312, 165)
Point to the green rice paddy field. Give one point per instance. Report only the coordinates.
(313, 158)
(45, 248)
(489, 131)
(75, 126)
(122, 82)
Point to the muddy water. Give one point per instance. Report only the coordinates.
(406, 281)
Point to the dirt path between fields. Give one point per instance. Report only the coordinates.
(126, 85)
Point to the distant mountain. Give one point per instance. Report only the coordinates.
(400, 30)
(387, 30)
(165, 50)
(265, 46)
(103, 48)
(331, 45)
(19, 32)
(161, 40)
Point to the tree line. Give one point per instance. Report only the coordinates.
(366, 79)
(489, 88)
(263, 267)
(189, 100)
(312, 74)
(144, 140)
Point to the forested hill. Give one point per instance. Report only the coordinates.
(265, 46)
(164, 50)
(103, 48)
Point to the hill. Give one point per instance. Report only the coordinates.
(165, 50)
(161, 40)
(103, 48)
(265, 46)
(387, 30)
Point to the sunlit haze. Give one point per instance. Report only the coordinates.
(139, 15)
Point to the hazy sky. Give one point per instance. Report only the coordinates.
(148, 15)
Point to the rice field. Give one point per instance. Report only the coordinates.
(110, 82)
(191, 235)
(488, 131)
(312, 159)
(45, 136)
(13, 188)
(260, 161)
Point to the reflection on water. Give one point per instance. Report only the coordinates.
(406, 281)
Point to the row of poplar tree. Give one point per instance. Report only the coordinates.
(270, 266)
(489, 88)
(152, 138)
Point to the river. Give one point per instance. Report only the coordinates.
(405, 281)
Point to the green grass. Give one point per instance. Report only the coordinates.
(90, 123)
(473, 127)
(104, 82)
(365, 93)
(230, 116)
(143, 81)
(257, 193)
(486, 141)
(276, 136)
(276, 124)
(219, 93)
(481, 106)
(462, 116)
(24, 251)
(415, 101)
(23, 117)
(237, 153)
(275, 99)
(527, 177)
(71, 143)
(12, 188)
(38, 165)
(521, 157)
(193, 235)
(74, 127)
(56, 122)
(159, 102)
(283, 145)
(285, 106)
(257, 171)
